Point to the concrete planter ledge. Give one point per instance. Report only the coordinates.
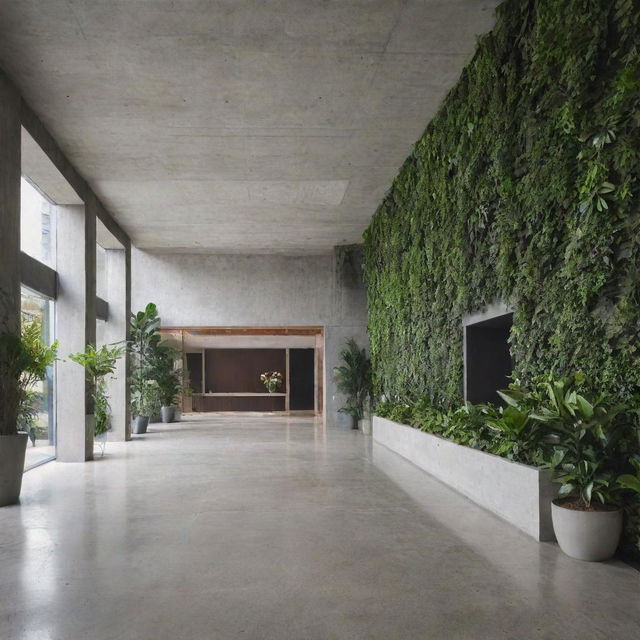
(515, 492)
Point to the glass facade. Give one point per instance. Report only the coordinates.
(42, 425)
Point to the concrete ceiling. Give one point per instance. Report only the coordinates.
(226, 126)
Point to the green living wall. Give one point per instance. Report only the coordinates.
(524, 187)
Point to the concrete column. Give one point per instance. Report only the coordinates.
(9, 218)
(117, 330)
(10, 170)
(76, 328)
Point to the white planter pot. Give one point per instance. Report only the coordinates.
(12, 451)
(100, 441)
(587, 535)
(515, 492)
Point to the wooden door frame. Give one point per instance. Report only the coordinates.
(317, 331)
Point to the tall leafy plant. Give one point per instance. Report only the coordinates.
(353, 379)
(144, 343)
(24, 361)
(99, 365)
(165, 373)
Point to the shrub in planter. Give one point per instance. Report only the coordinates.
(163, 370)
(145, 339)
(144, 399)
(24, 360)
(592, 443)
(99, 364)
(353, 379)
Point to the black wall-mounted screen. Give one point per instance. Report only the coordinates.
(488, 363)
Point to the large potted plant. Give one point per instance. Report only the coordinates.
(144, 341)
(592, 440)
(144, 399)
(99, 364)
(24, 360)
(167, 377)
(353, 379)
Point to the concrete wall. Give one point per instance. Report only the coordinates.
(257, 290)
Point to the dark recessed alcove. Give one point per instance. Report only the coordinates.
(487, 361)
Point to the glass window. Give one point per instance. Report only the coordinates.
(41, 427)
(37, 224)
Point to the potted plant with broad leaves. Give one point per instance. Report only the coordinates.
(144, 400)
(99, 365)
(24, 361)
(353, 379)
(593, 439)
(631, 481)
(271, 380)
(167, 377)
(144, 341)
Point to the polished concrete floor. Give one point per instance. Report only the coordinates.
(267, 528)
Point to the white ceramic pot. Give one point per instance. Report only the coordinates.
(100, 441)
(12, 451)
(587, 535)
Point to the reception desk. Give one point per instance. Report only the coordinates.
(240, 401)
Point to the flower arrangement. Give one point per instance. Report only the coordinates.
(271, 380)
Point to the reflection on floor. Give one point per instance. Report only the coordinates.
(276, 528)
(38, 454)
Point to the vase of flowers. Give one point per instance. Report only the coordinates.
(271, 380)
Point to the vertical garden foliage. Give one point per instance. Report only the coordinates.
(524, 187)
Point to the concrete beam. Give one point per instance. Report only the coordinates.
(38, 276)
(76, 327)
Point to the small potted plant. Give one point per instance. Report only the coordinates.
(144, 398)
(167, 377)
(271, 380)
(353, 379)
(24, 360)
(594, 439)
(99, 364)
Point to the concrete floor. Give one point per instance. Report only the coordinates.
(268, 528)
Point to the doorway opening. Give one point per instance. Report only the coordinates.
(223, 366)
